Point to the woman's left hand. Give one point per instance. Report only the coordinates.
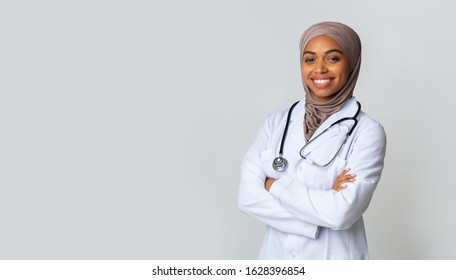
(342, 179)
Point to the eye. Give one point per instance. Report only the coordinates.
(332, 59)
(308, 60)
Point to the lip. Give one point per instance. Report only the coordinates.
(322, 82)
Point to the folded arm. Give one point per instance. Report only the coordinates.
(338, 210)
(257, 202)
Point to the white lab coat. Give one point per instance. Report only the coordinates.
(304, 218)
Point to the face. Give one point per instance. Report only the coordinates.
(325, 68)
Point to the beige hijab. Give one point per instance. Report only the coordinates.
(316, 112)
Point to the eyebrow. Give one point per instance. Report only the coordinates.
(326, 52)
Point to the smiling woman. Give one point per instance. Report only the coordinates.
(312, 210)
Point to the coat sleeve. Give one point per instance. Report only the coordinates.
(338, 210)
(254, 200)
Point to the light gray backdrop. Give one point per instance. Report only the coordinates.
(123, 123)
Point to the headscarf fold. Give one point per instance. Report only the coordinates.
(317, 112)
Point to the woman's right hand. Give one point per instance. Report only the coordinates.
(342, 179)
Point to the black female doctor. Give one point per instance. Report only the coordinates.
(335, 152)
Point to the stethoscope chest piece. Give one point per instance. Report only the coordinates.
(279, 164)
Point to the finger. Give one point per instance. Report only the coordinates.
(339, 188)
(345, 171)
(349, 176)
(344, 174)
(345, 179)
(350, 179)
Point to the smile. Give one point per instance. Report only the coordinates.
(322, 82)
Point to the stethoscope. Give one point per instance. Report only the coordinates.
(280, 163)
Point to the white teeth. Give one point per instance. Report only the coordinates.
(320, 82)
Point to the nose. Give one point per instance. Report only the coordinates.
(320, 67)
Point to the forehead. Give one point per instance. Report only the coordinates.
(323, 43)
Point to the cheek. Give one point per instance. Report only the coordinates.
(344, 73)
(305, 72)
(345, 78)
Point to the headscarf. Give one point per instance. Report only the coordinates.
(317, 112)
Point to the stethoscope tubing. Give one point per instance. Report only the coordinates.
(285, 132)
(280, 163)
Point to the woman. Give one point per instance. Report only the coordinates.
(313, 206)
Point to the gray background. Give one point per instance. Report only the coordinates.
(123, 123)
